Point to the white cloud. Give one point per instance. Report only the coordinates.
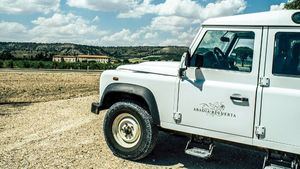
(65, 28)
(138, 10)
(96, 19)
(222, 8)
(277, 7)
(12, 29)
(103, 5)
(122, 38)
(151, 35)
(169, 23)
(181, 18)
(186, 8)
(59, 27)
(125, 37)
(28, 6)
(182, 38)
(176, 20)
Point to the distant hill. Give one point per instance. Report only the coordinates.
(45, 51)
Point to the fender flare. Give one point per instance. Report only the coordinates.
(136, 90)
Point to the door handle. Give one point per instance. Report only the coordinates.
(238, 97)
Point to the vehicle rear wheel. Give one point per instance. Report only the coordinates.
(129, 131)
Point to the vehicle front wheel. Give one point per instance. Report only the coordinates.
(129, 131)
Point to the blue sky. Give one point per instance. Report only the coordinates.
(116, 22)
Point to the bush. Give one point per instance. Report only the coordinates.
(26, 64)
(294, 4)
(10, 64)
(17, 64)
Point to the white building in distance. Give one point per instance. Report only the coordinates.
(81, 58)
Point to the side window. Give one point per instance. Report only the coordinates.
(286, 59)
(227, 50)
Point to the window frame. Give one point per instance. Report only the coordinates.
(273, 57)
(235, 29)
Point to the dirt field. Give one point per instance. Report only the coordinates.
(60, 132)
(45, 86)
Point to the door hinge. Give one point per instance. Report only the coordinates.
(177, 117)
(260, 132)
(264, 82)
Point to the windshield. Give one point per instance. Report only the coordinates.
(229, 50)
(212, 39)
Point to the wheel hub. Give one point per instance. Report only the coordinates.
(126, 130)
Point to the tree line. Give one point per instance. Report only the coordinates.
(294, 4)
(56, 65)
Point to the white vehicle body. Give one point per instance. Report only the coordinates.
(257, 108)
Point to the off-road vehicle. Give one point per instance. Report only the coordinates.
(239, 82)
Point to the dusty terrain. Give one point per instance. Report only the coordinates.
(20, 87)
(60, 131)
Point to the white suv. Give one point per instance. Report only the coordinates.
(239, 82)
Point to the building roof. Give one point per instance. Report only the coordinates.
(271, 18)
(82, 56)
(93, 56)
(64, 56)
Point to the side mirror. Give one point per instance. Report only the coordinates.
(187, 62)
(199, 61)
(187, 58)
(225, 39)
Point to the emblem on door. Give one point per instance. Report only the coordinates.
(216, 109)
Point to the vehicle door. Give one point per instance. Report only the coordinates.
(280, 113)
(220, 95)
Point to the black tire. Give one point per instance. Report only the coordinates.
(147, 134)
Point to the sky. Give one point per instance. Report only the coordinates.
(116, 22)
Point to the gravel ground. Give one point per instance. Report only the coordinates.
(64, 134)
(45, 122)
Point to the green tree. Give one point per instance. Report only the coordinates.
(34, 64)
(6, 55)
(19, 63)
(294, 4)
(26, 63)
(243, 53)
(1, 64)
(10, 64)
(55, 65)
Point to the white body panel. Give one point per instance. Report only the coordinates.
(163, 88)
(270, 18)
(211, 89)
(280, 113)
(274, 107)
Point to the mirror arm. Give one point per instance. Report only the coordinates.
(181, 72)
(186, 60)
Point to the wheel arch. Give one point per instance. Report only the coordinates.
(123, 91)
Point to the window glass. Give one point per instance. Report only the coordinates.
(228, 50)
(287, 54)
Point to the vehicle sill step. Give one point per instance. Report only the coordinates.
(275, 167)
(279, 161)
(195, 150)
